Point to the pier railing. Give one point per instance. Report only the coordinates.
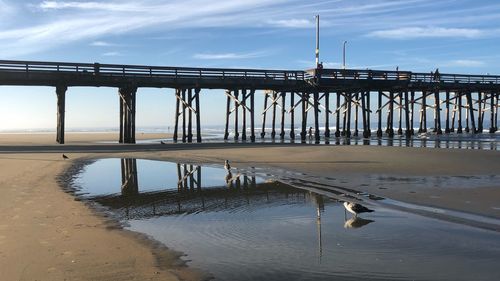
(115, 70)
(431, 77)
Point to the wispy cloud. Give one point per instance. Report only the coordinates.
(465, 63)
(56, 23)
(427, 32)
(112, 54)
(293, 23)
(101, 44)
(228, 56)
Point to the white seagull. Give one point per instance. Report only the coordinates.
(356, 208)
(227, 166)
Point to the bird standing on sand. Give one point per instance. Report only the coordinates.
(356, 208)
(227, 166)
(65, 157)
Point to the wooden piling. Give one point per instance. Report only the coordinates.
(407, 116)
(471, 110)
(244, 112)
(176, 122)
(364, 114)
(184, 135)
(356, 113)
(349, 105)
(337, 116)
(198, 115)
(391, 114)
(379, 125)
(283, 111)
(190, 115)
(228, 113)
(467, 129)
(480, 112)
(447, 128)
(61, 108)
(437, 113)
(400, 113)
(316, 117)
(266, 97)
(252, 115)
(327, 114)
(424, 111)
(368, 113)
(459, 97)
(344, 115)
(303, 132)
(292, 115)
(412, 108)
(236, 107)
(273, 129)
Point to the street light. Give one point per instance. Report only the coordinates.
(343, 55)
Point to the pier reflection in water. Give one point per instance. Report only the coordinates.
(239, 227)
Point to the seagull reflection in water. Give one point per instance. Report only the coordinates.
(356, 222)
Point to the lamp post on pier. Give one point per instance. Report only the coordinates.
(343, 55)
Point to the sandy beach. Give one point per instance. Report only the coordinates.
(46, 235)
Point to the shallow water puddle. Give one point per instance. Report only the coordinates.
(239, 226)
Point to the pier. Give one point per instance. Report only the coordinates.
(352, 98)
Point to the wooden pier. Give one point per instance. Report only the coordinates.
(357, 96)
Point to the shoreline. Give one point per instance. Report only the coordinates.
(44, 229)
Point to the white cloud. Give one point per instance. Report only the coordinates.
(427, 32)
(228, 56)
(101, 44)
(112, 54)
(466, 63)
(60, 5)
(293, 23)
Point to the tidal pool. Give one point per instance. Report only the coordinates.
(242, 226)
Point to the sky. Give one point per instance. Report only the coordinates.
(456, 36)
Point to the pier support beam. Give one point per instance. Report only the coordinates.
(252, 115)
(459, 127)
(61, 109)
(127, 113)
(327, 114)
(337, 116)
(412, 109)
(407, 116)
(437, 113)
(348, 113)
(283, 111)
(316, 117)
(187, 111)
(400, 114)
(390, 119)
(480, 112)
(379, 124)
(236, 107)
(292, 116)
(356, 114)
(266, 97)
(493, 113)
(364, 113)
(303, 131)
(244, 112)
(447, 128)
(471, 110)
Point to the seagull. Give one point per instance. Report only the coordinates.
(356, 208)
(65, 157)
(227, 166)
(161, 142)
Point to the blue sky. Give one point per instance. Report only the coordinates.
(417, 35)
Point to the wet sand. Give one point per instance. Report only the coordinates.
(45, 234)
